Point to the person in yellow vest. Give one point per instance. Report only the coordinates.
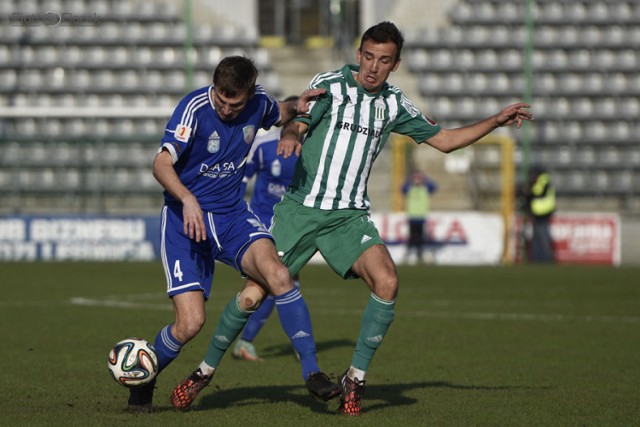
(541, 205)
(417, 190)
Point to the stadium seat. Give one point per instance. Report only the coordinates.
(585, 157)
(596, 130)
(598, 12)
(429, 82)
(605, 107)
(69, 179)
(8, 78)
(575, 11)
(550, 12)
(487, 59)
(629, 107)
(105, 79)
(582, 107)
(593, 83)
(102, 127)
(81, 79)
(71, 55)
(128, 79)
(454, 82)
(628, 59)
(620, 130)
(511, 59)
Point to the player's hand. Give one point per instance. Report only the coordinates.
(287, 145)
(193, 219)
(306, 97)
(515, 113)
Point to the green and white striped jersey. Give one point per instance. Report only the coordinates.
(348, 127)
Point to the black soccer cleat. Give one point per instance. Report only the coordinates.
(321, 387)
(141, 397)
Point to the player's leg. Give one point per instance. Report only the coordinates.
(353, 248)
(377, 269)
(233, 233)
(294, 229)
(244, 348)
(190, 317)
(189, 275)
(231, 322)
(263, 263)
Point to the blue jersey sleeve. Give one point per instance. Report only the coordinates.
(183, 122)
(272, 109)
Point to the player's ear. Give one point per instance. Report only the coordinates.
(397, 64)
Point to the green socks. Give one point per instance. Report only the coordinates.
(229, 327)
(376, 319)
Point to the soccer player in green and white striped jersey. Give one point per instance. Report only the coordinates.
(326, 208)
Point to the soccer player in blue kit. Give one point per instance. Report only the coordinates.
(273, 174)
(201, 164)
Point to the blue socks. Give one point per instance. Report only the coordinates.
(167, 347)
(296, 323)
(258, 319)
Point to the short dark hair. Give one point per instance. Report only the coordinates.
(384, 32)
(235, 75)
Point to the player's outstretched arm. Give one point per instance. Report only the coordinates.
(448, 140)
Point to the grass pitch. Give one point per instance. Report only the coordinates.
(499, 346)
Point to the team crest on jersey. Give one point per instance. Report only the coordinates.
(380, 108)
(249, 133)
(214, 143)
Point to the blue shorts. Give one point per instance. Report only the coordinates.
(265, 217)
(188, 265)
(264, 212)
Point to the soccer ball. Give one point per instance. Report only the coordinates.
(133, 362)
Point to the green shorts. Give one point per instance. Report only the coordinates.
(341, 236)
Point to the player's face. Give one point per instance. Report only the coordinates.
(228, 108)
(377, 61)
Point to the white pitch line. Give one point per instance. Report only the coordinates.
(114, 303)
(496, 316)
(119, 304)
(526, 317)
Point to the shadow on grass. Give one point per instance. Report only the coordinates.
(379, 396)
(286, 349)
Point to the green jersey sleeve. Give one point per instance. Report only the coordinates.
(412, 123)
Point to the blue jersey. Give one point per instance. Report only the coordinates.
(209, 154)
(274, 173)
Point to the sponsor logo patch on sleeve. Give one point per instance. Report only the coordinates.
(183, 133)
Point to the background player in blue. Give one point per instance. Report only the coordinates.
(200, 164)
(273, 174)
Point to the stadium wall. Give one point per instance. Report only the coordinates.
(454, 238)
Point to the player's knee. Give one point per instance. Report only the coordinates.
(188, 327)
(280, 280)
(386, 286)
(250, 298)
